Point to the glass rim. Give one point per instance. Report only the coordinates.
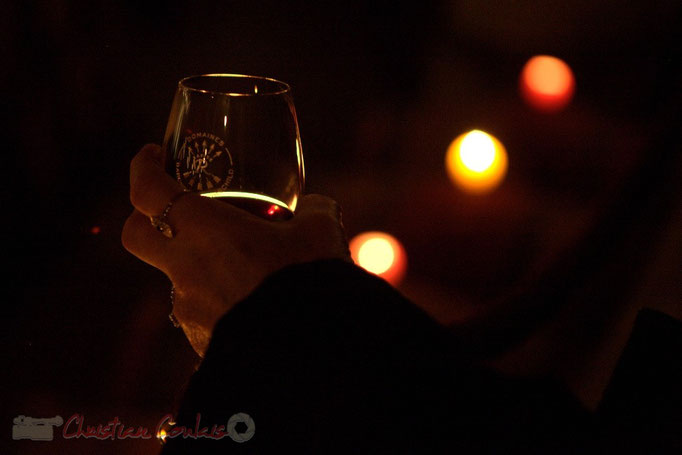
(283, 86)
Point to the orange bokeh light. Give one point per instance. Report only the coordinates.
(381, 254)
(547, 83)
(476, 162)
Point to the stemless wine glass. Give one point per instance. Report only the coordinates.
(235, 137)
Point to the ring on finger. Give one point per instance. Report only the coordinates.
(160, 222)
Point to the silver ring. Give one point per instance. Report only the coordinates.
(160, 222)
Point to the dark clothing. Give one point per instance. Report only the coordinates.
(327, 358)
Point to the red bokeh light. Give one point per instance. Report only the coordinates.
(547, 83)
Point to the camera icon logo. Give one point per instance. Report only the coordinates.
(35, 429)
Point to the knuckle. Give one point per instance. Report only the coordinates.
(320, 200)
(336, 210)
(318, 222)
(128, 234)
(136, 163)
(139, 188)
(317, 204)
(140, 183)
(134, 195)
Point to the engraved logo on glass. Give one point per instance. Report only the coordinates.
(204, 163)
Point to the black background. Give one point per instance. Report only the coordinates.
(381, 88)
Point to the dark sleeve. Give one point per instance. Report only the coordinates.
(324, 358)
(642, 406)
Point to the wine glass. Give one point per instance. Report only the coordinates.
(235, 137)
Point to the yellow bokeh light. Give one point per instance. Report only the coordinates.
(477, 151)
(381, 254)
(376, 255)
(476, 162)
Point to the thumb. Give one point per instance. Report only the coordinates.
(317, 204)
(320, 226)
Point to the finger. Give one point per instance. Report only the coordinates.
(318, 218)
(141, 239)
(150, 186)
(317, 204)
(151, 189)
